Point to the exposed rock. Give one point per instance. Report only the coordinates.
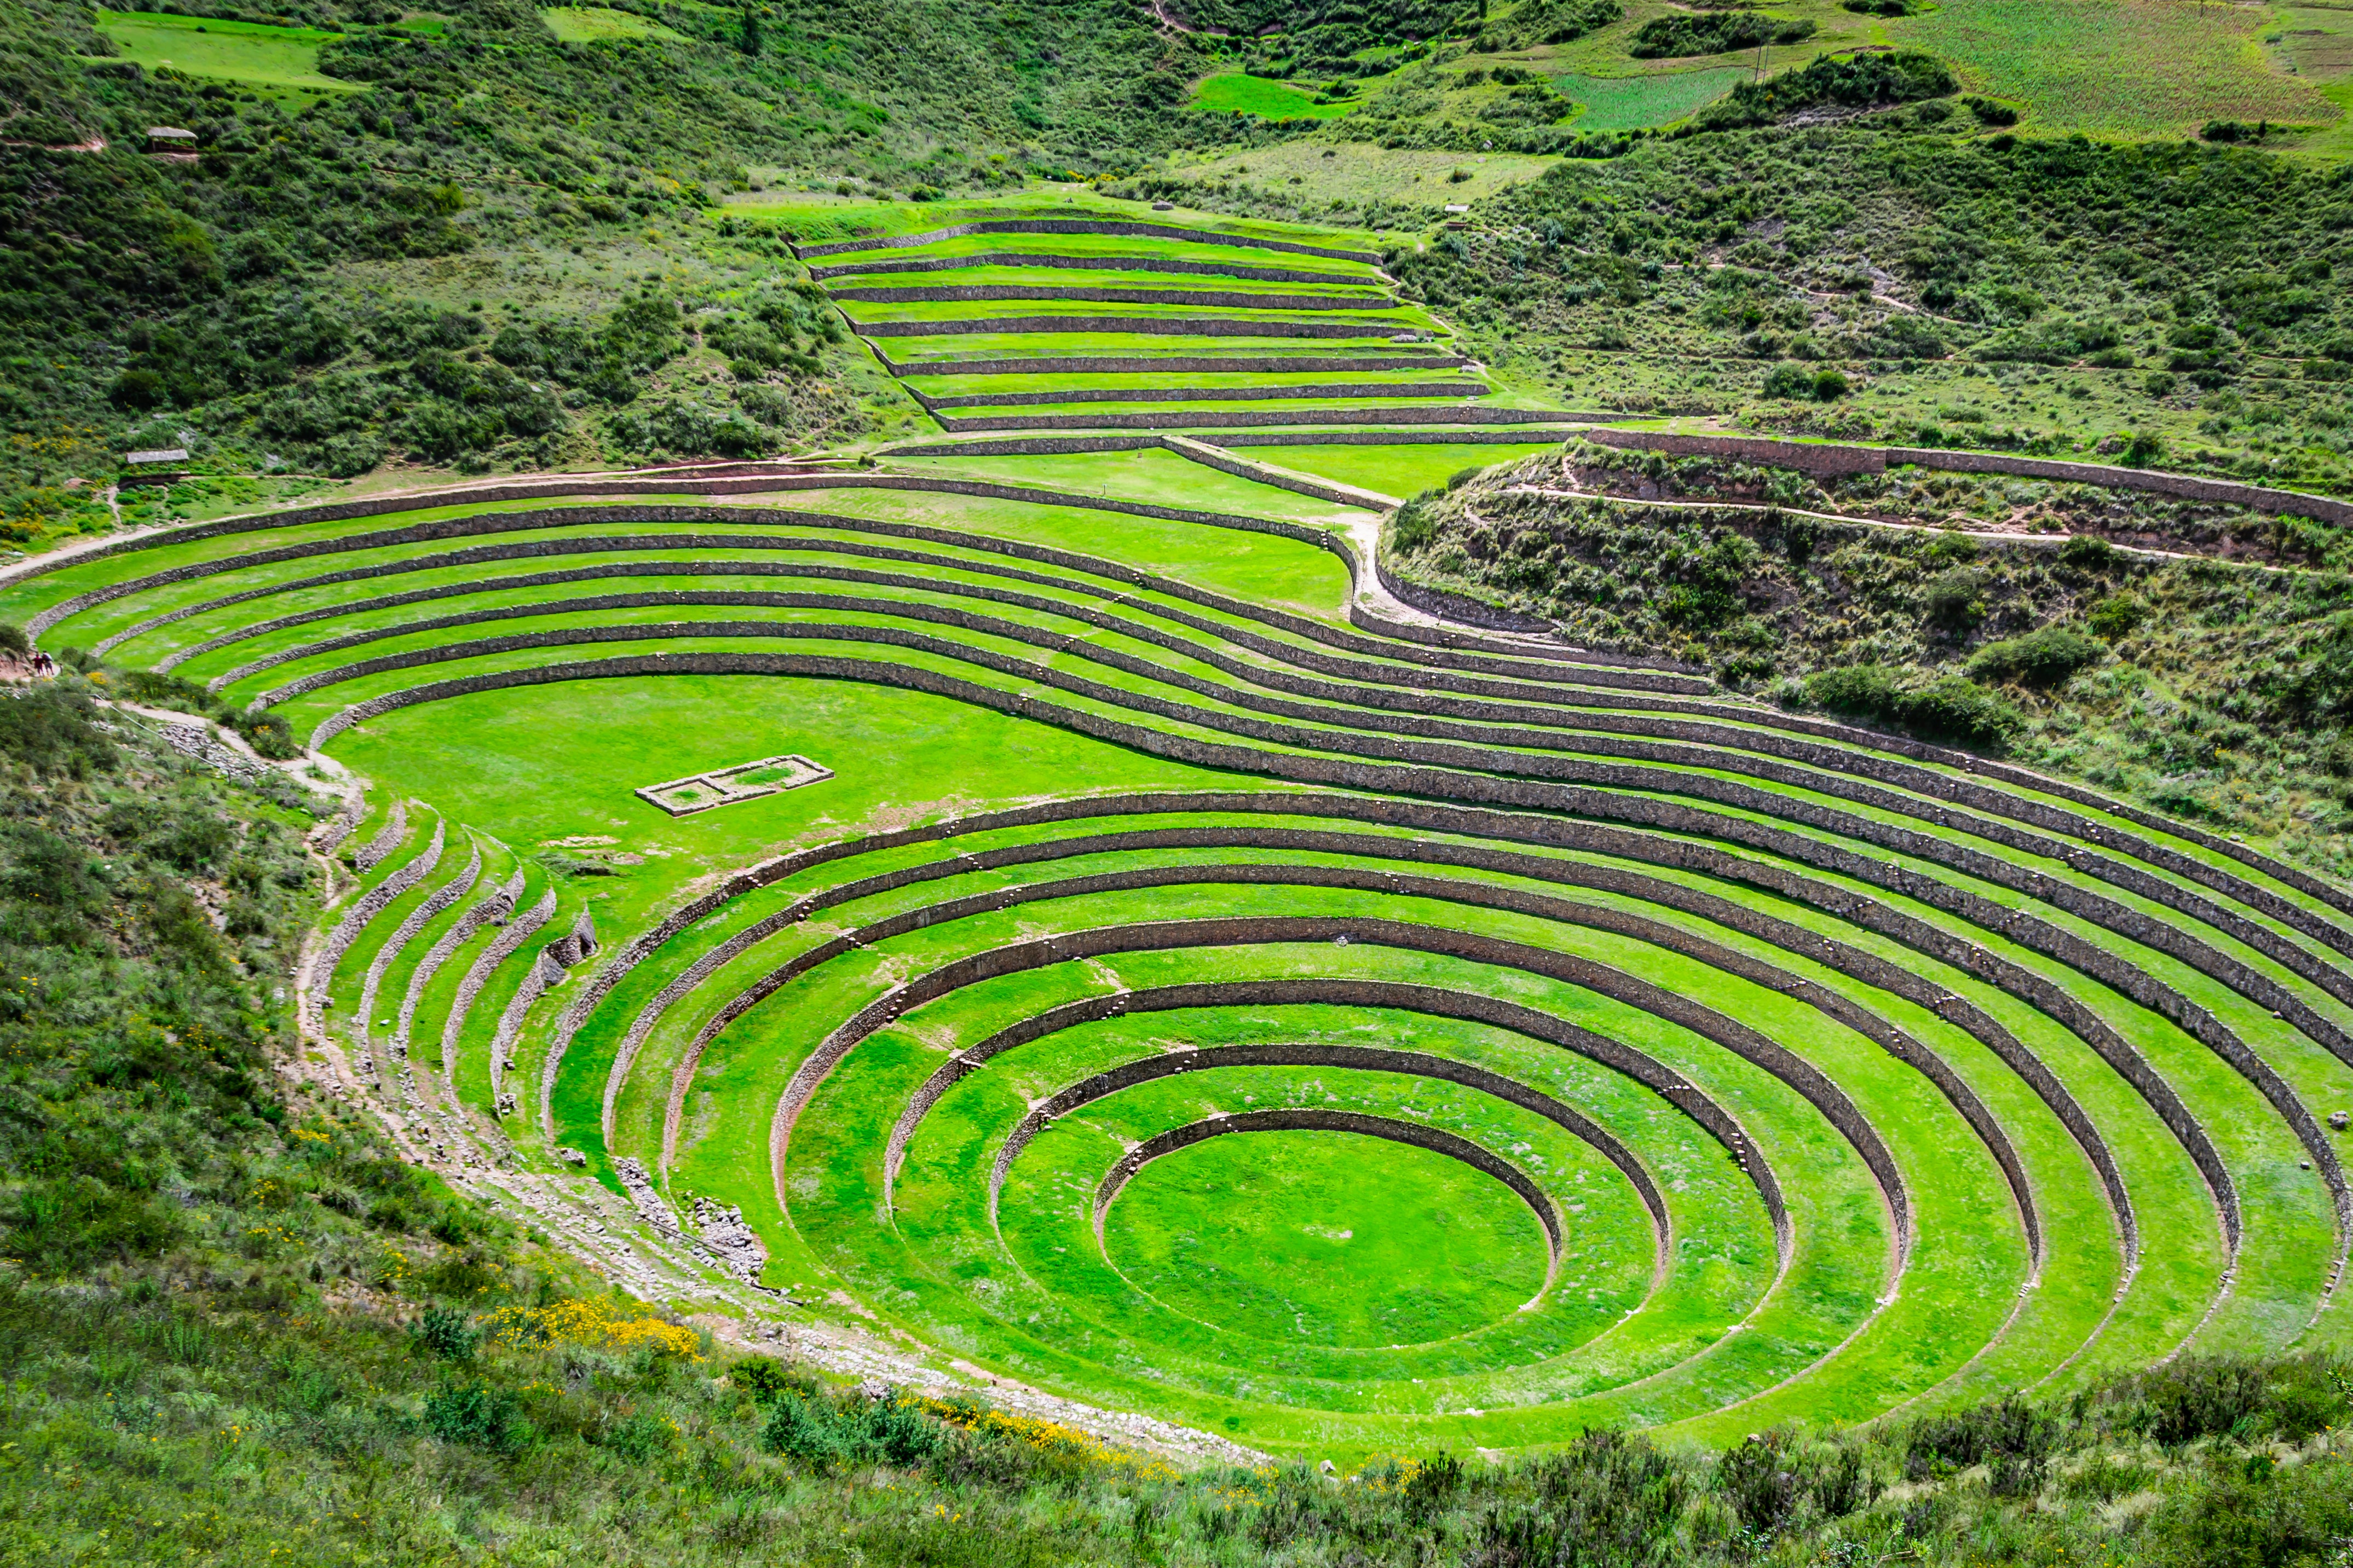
(737, 1246)
(651, 1206)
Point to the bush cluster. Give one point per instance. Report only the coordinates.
(1713, 33)
(1948, 709)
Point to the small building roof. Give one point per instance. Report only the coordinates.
(161, 455)
(169, 133)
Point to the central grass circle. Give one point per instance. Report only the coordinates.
(1327, 1239)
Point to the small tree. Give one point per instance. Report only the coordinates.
(749, 39)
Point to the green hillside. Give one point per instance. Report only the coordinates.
(1202, 783)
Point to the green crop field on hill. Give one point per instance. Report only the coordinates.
(271, 57)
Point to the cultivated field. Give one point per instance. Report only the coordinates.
(282, 61)
(2127, 69)
(595, 24)
(1235, 93)
(1632, 102)
(2162, 67)
(1197, 983)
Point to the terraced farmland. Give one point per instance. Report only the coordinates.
(1053, 907)
(1030, 320)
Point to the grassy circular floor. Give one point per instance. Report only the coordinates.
(1322, 1238)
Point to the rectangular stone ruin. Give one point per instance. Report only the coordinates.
(725, 786)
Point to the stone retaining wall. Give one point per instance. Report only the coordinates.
(1457, 607)
(1895, 1041)
(1457, 389)
(1825, 457)
(2302, 881)
(1748, 1044)
(1789, 938)
(1226, 462)
(1174, 364)
(1221, 418)
(544, 972)
(1323, 539)
(324, 838)
(1398, 437)
(690, 544)
(441, 898)
(1603, 671)
(1080, 225)
(1479, 755)
(1293, 993)
(497, 907)
(1436, 1139)
(1088, 264)
(373, 903)
(1205, 299)
(1026, 446)
(387, 839)
(503, 946)
(1145, 326)
(1424, 820)
(1604, 804)
(1427, 819)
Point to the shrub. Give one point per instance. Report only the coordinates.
(268, 734)
(1988, 113)
(623, 1327)
(637, 1438)
(1414, 524)
(2144, 448)
(1866, 690)
(2117, 616)
(2049, 656)
(447, 1333)
(1906, 337)
(2194, 1397)
(1761, 1489)
(50, 731)
(478, 1416)
(1954, 709)
(1608, 1498)
(13, 638)
(824, 1432)
(764, 1379)
(2265, 1514)
(67, 1225)
(139, 389)
(2158, 384)
(2090, 552)
(2007, 1428)
(1955, 600)
(1829, 385)
(1789, 380)
(1678, 34)
(1433, 1483)
(1949, 710)
(1856, 81)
